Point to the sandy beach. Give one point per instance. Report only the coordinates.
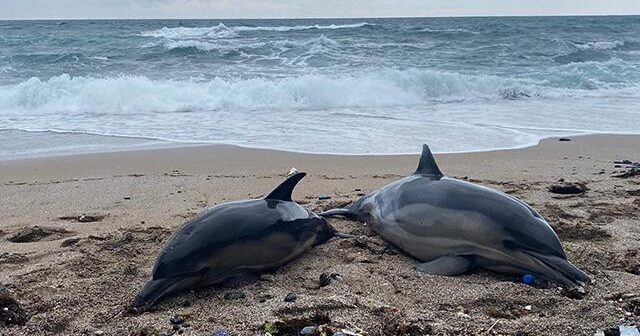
(76, 275)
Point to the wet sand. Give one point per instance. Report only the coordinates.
(75, 275)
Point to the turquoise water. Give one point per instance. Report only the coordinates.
(337, 86)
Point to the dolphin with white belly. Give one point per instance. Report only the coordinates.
(453, 226)
(233, 239)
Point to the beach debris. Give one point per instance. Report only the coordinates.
(84, 218)
(327, 277)
(221, 332)
(628, 173)
(236, 295)
(37, 233)
(319, 322)
(177, 320)
(626, 162)
(11, 311)
(576, 293)
(529, 279)
(127, 198)
(291, 297)
(69, 242)
(568, 188)
(619, 331)
(324, 197)
(12, 258)
(564, 139)
(292, 171)
(308, 330)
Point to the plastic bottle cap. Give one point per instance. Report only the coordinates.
(529, 279)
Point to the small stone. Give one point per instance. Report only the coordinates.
(327, 277)
(292, 171)
(70, 242)
(308, 330)
(186, 312)
(291, 297)
(528, 307)
(12, 311)
(176, 320)
(575, 293)
(235, 295)
(127, 197)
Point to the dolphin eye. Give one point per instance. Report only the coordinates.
(509, 244)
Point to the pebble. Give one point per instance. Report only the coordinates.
(528, 307)
(291, 297)
(176, 320)
(575, 293)
(327, 277)
(234, 295)
(308, 330)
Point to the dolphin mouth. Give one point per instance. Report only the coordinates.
(558, 270)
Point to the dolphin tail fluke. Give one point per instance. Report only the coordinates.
(344, 212)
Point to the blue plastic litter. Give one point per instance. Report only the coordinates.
(529, 279)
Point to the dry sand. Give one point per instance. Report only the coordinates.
(76, 277)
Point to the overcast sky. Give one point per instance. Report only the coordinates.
(56, 9)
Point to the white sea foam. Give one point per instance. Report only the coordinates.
(222, 31)
(601, 45)
(374, 89)
(385, 88)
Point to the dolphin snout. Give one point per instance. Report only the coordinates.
(556, 269)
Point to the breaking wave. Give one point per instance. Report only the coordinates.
(222, 31)
(385, 88)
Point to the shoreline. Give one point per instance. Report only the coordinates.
(147, 143)
(77, 277)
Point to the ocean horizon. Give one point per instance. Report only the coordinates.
(343, 86)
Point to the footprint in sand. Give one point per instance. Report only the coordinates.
(37, 233)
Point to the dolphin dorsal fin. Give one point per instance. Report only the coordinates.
(284, 190)
(428, 165)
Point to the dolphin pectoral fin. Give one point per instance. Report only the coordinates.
(338, 212)
(447, 265)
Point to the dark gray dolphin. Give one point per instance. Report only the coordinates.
(454, 226)
(234, 239)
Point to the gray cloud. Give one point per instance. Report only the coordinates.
(23, 9)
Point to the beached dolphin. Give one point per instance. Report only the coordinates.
(234, 239)
(454, 226)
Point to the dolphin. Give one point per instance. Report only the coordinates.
(235, 239)
(453, 226)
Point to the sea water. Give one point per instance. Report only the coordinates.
(324, 85)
